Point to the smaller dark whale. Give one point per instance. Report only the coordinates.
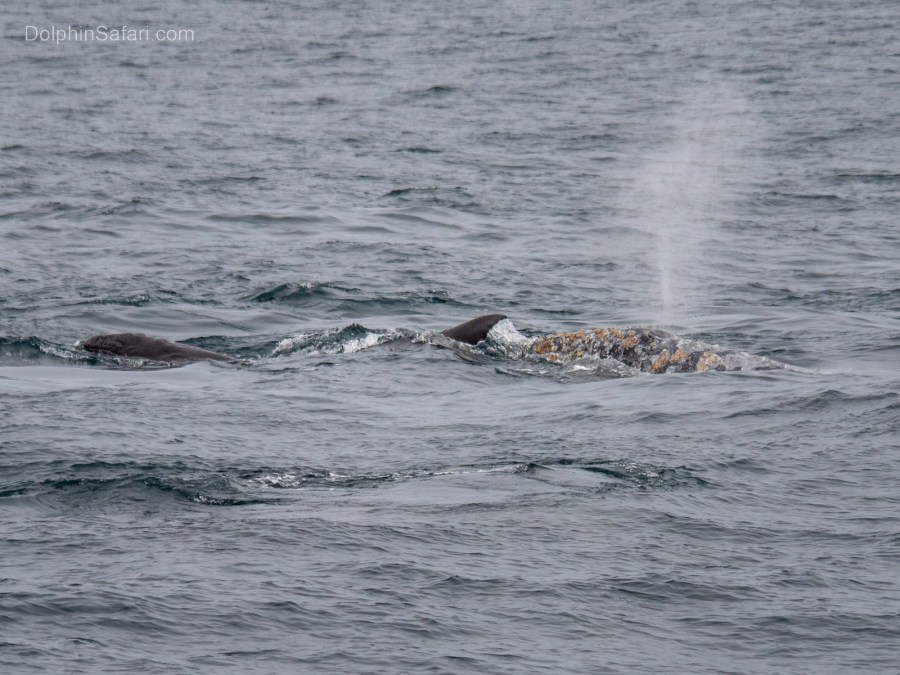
(136, 345)
(474, 331)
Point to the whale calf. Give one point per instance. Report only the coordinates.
(138, 345)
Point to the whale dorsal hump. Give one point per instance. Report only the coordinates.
(474, 331)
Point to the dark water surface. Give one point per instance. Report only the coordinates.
(316, 188)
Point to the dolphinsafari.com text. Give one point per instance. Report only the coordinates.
(104, 33)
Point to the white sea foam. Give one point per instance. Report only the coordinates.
(288, 345)
(308, 343)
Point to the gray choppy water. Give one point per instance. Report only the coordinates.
(315, 189)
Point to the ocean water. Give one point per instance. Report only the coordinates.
(319, 188)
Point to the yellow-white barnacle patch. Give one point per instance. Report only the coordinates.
(544, 345)
(661, 362)
(569, 338)
(707, 361)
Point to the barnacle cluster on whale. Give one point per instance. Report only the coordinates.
(644, 349)
(650, 351)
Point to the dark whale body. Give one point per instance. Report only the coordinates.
(136, 345)
(474, 331)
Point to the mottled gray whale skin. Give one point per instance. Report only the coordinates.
(650, 351)
(474, 331)
(137, 345)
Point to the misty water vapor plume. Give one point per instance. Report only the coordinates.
(696, 171)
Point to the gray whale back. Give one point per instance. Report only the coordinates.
(650, 351)
(136, 345)
(474, 331)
